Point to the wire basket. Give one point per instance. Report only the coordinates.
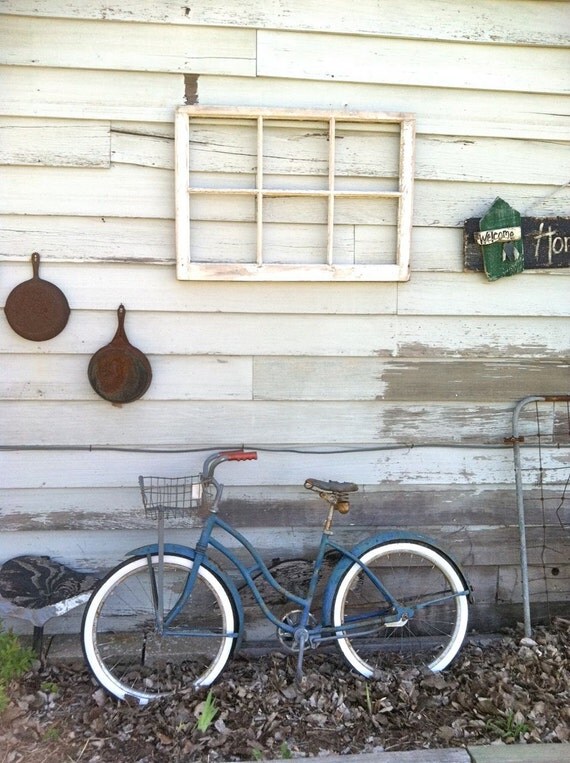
(170, 496)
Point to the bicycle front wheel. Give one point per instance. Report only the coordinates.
(124, 646)
(417, 577)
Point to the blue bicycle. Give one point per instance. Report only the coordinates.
(168, 618)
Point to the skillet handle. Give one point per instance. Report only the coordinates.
(36, 264)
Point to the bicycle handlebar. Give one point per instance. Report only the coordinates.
(238, 455)
(215, 459)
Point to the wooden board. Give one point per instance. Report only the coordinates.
(306, 333)
(438, 157)
(92, 239)
(291, 423)
(277, 465)
(481, 112)
(54, 142)
(90, 94)
(133, 191)
(74, 44)
(526, 23)
(52, 376)
(379, 379)
(409, 62)
(547, 753)
(385, 506)
(64, 377)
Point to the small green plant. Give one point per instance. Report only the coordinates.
(52, 734)
(285, 752)
(14, 658)
(509, 727)
(368, 699)
(207, 711)
(50, 687)
(257, 754)
(3, 699)
(14, 661)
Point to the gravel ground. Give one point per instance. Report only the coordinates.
(508, 690)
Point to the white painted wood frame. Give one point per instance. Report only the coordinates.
(261, 270)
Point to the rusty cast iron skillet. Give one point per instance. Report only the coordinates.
(119, 372)
(37, 309)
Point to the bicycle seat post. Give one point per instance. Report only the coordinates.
(327, 527)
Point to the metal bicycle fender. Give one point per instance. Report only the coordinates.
(189, 553)
(365, 545)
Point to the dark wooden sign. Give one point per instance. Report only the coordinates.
(546, 243)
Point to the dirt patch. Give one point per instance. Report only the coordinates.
(507, 690)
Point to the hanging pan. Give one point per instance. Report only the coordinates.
(119, 372)
(37, 309)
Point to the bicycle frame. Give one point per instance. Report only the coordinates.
(315, 635)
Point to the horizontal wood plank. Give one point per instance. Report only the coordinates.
(527, 23)
(134, 191)
(103, 550)
(94, 239)
(64, 377)
(163, 423)
(131, 240)
(382, 506)
(55, 142)
(51, 376)
(379, 379)
(480, 113)
(260, 482)
(465, 159)
(78, 191)
(90, 94)
(423, 297)
(409, 62)
(307, 333)
(77, 44)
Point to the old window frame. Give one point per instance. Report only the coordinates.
(259, 270)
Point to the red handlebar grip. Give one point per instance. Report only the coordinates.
(240, 455)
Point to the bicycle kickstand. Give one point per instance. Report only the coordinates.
(299, 672)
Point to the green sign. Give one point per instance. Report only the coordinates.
(500, 238)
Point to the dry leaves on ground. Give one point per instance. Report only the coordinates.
(508, 690)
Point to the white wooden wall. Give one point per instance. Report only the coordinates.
(87, 98)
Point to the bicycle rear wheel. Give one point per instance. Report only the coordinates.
(418, 577)
(122, 645)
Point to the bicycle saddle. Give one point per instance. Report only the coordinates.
(330, 487)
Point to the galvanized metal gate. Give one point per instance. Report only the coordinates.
(542, 433)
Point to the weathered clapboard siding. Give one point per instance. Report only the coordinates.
(435, 364)
(386, 506)
(55, 142)
(291, 422)
(308, 334)
(475, 469)
(411, 62)
(88, 239)
(534, 23)
(90, 94)
(66, 43)
(428, 294)
(475, 112)
(380, 379)
(464, 544)
(439, 157)
(134, 191)
(63, 377)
